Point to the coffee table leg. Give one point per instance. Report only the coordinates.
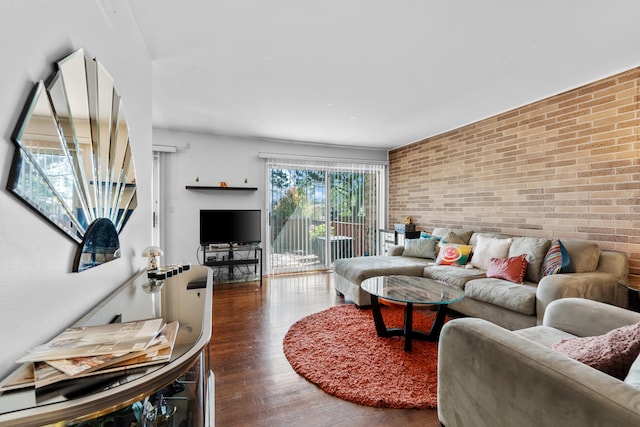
(381, 329)
(438, 322)
(408, 326)
(407, 331)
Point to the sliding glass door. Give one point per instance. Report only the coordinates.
(321, 211)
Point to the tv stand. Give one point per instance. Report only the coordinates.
(229, 256)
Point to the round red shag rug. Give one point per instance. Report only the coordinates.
(338, 350)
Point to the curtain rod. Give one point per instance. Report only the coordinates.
(276, 156)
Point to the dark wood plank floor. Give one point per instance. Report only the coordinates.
(255, 385)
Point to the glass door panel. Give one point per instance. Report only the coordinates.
(297, 218)
(320, 213)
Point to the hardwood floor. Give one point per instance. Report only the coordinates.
(255, 385)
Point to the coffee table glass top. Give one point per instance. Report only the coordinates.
(412, 289)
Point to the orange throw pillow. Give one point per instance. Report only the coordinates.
(512, 269)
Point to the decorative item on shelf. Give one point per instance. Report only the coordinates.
(222, 184)
(197, 179)
(154, 253)
(161, 273)
(403, 228)
(155, 282)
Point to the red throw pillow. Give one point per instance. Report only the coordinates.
(512, 269)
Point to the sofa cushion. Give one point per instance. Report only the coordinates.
(420, 248)
(612, 353)
(511, 269)
(453, 254)
(557, 260)
(452, 237)
(584, 254)
(535, 248)
(487, 248)
(464, 234)
(633, 377)
(455, 276)
(519, 298)
(359, 268)
(473, 241)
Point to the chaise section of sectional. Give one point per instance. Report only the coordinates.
(350, 272)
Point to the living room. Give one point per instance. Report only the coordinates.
(515, 170)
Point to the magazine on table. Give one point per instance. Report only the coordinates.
(83, 341)
(158, 352)
(83, 365)
(20, 378)
(42, 374)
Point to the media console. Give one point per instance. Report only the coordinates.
(233, 256)
(186, 382)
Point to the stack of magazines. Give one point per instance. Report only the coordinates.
(92, 350)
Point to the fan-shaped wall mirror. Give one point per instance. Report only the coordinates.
(73, 162)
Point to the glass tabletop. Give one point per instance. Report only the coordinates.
(412, 289)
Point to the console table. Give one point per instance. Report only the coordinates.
(186, 382)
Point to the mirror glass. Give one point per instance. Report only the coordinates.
(73, 162)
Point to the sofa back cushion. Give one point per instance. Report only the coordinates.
(535, 248)
(487, 248)
(463, 234)
(584, 255)
(452, 237)
(473, 241)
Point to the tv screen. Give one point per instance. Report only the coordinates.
(230, 226)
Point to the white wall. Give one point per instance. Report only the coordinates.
(39, 295)
(219, 158)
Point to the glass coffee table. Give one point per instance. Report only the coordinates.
(410, 290)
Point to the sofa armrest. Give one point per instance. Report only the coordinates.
(597, 286)
(583, 317)
(489, 376)
(395, 250)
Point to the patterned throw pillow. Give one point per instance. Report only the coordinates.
(453, 254)
(557, 260)
(512, 269)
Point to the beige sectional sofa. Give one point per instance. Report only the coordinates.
(599, 275)
(493, 377)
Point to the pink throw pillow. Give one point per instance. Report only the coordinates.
(612, 353)
(512, 269)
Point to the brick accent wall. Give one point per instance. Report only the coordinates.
(567, 166)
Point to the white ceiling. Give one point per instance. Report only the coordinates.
(372, 73)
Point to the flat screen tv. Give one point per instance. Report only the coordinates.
(230, 226)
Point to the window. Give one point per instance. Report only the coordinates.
(320, 211)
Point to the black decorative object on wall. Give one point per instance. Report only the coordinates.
(73, 163)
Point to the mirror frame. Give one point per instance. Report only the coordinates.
(73, 163)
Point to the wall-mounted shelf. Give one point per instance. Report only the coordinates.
(204, 187)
